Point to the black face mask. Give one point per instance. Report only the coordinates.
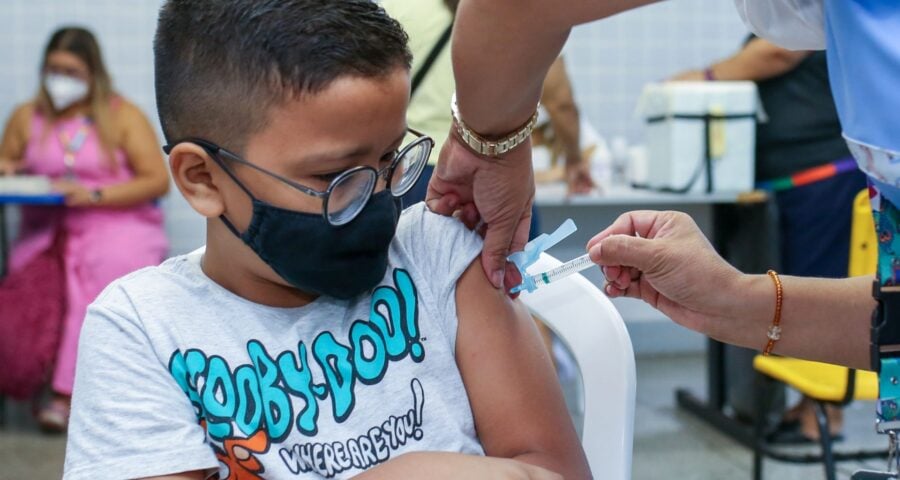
(316, 257)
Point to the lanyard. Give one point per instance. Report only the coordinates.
(886, 331)
(880, 164)
(72, 145)
(886, 323)
(809, 176)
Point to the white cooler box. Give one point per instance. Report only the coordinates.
(700, 136)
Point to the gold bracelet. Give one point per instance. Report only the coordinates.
(774, 332)
(491, 148)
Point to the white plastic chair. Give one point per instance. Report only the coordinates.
(591, 327)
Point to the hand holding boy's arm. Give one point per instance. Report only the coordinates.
(514, 392)
(443, 465)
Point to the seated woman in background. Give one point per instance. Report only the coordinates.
(103, 156)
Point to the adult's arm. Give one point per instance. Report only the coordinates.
(559, 101)
(14, 139)
(502, 50)
(150, 178)
(759, 60)
(664, 259)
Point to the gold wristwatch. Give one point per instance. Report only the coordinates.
(491, 148)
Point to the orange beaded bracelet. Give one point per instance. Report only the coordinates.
(774, 332)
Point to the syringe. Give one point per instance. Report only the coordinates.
(572, 266)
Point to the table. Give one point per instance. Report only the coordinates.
(714, 213)
(7, 200)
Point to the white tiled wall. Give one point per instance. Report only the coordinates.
(608, 60)
(125, 30)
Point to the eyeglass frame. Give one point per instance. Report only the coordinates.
(215, 150)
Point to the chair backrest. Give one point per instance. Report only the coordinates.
(589, 325)
(863, 239)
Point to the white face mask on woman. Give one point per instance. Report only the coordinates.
(65, 91)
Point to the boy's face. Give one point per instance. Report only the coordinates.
(355, 121)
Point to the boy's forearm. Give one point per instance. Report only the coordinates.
(451, 466)
(553, 464)
(413, 465)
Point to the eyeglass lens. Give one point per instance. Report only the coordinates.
(409, 167)
(349, 195)
(351, 192)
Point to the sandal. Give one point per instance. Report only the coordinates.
(54, 417)
(790, 433)
(799, 425)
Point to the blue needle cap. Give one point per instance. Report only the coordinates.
(533, 250)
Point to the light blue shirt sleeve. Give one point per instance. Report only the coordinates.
(863, 47)
(864, 67)
(792, 24)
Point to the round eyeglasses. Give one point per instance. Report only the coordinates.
(350, 191)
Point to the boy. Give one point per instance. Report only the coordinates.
(320, 334)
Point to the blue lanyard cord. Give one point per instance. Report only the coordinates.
(74, 144)
(887, 409)
(77, 141)
(886, 319)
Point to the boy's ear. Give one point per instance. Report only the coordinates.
(191, 171)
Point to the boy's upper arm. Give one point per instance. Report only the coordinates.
(129, 416)
(514, 392)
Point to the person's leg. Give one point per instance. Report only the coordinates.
(54, 415)
(815, 226)
(100, 251)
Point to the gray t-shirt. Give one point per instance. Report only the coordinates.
(176, 374)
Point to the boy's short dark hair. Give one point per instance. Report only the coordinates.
(222, 64)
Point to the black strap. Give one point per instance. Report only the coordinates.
(432, 56)
(885, 328)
